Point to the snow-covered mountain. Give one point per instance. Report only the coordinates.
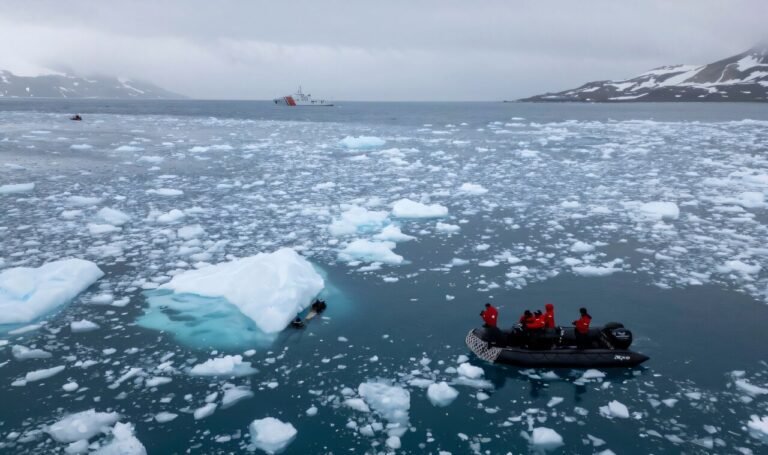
(68, 86)
(743, 77)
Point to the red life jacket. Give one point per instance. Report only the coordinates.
(490, 316)
(582, 324)
(549, 316)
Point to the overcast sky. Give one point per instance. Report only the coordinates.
(373, 50)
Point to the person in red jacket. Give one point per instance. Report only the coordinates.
(582, 328)
(536, 322)
(490, 315)
(549, 316)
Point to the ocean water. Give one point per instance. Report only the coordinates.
(568, 217)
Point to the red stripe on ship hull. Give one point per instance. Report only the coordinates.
(289, 101)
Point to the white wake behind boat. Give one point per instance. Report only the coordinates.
(301, 99)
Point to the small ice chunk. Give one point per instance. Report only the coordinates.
(660, 210)
(163, 417)
(113, 216)
(358, 404)
(124, 442)
(24, 353)
(543, 438)
(366, 250)
(615, 409)
(271, 435)
(758, 427)
(229, 365)
(406, 208)
(16, 188)
(393, 233)
(470, 371)
(39, 375)
(441, 394)
(70, 386)
(83, 325)
(750, 389)
(235, 395)
(472, 189)
(447, 227)
(190, 232)
(362, 142)
(205, 411)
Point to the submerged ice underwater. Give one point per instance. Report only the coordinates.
(149, 264)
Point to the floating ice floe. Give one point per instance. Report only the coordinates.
(390, 402)
(123, 442)
(28, 293)
(447, 227)
(113, 216)
(543, 438)
(615, 409)
(441, 394)
(472, 189)
(83, 326)
(362, 142)
(406, 208)
(660, 210)
(165, 192)
(269, 288)
(356, 219)
(13, 188)
(229, 365)
(81, 425)
(470, 371)
(24, 353)
(758, 427)
(271, 435)
(393, 233)
(368, 251)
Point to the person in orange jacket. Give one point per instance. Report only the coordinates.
(490, 315)
(549, 316)
(533, 321)
(582, 328)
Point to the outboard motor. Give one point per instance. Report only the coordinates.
(617, 336)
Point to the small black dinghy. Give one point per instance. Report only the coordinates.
(605, 346)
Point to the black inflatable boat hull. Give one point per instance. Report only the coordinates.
(553, 358)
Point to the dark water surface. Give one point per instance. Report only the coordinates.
(555, 174)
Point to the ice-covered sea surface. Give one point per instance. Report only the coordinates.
(653, 215)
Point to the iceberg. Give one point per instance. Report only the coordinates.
(28, 293)
(271, 435)
(269, 288)
(406, 208)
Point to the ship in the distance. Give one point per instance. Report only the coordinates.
(301, 99)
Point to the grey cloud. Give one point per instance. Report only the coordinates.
(374, 50)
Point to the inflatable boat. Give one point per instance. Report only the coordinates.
(606, 346)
